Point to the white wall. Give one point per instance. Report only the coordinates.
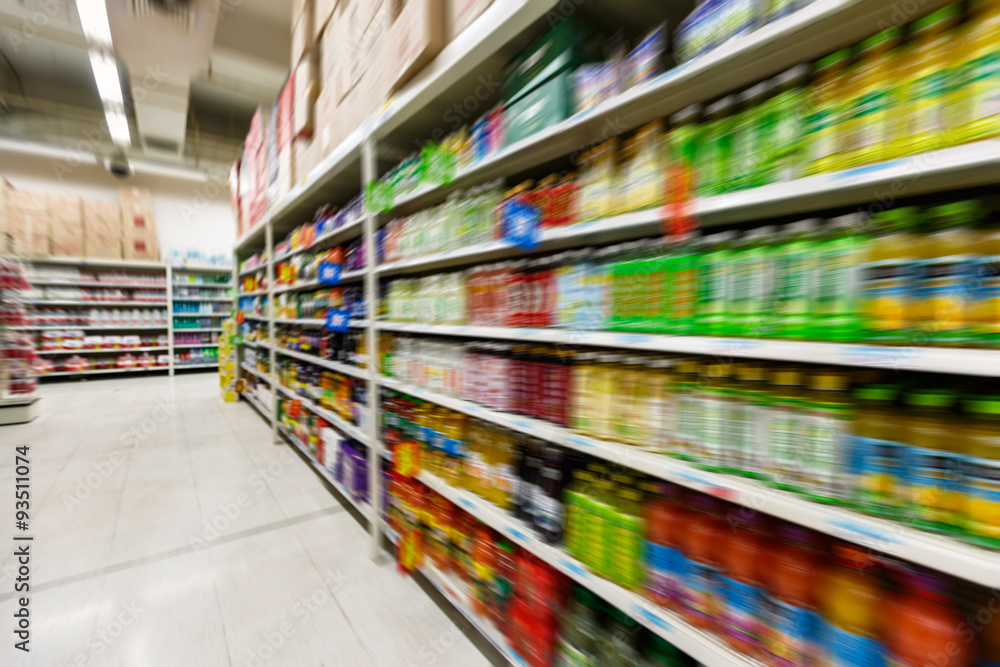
(190, 215)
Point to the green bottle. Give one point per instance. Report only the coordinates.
(627, 538)
(681, 302)
(748, 136)
(714, 267)
(839, 253)
(783, 154)
(795, 262)
(713, 158)
(751, 284)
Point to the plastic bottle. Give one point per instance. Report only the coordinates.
(627, 544)
(661, 406)
(872, 103)
(851, 600)
(580, 631)
(825, 451)
(743, 568)
(751, 285)
(574, 497)
(878, 453)
(785, 127)
(621, 641)
(887, 276)
(746, 422)
(796, 261)
(748, 136)
(714, 397)
(530, 478)
(664, 523)
(688, 409)
(714, 283)
(549, 515)
(825, 130)
(682, 263)
(792, 623)
(630, 400)
(703, 543)
(484, 561)
(839, 252)
(784, 428)
(981, 518)
(935, 459)
(924, 627)
(977, 95)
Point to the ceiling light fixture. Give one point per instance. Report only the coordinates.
(108, 82)
(118, 126)
(94, 20)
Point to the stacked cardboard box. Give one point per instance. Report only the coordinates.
(66, 226)
(138, 225)
(28, 223)
(102, 229)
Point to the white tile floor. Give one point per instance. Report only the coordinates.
(127, 475)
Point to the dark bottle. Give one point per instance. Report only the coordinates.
(548, 504)
(530, 477)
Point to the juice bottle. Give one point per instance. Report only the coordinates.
(602, 525)
(791, 630)
(784, 428)
(621, 641)
(664, 523)
(628, 408)
(841, 249)
(935, 458)
(851, 600)
(502, 471)
(944, 274)
(682, 148)
(703, 543)
(688, 409)
(661, 405)
(744, 567)
(582, 392)
(484, 560)
(746, 424)
(871, 100)
(682, 263)
(714, 397)
(982, 474)
(714, 154)
(714, 283)
(983, 308)
(977, 96)
(925, 628)
(549, 509)
(878, 451)
(580, 629)
(748, 137)
(926, 83)
(785, 127)
(825, 445)
(604, 390)
(795, 276)
(824, 124)
(574, 538)
(530, 478)
(886, 278)
(751, 281)
(627, 532)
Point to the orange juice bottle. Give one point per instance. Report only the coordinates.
(792, 626)
(703, 543)
(744, 564)
(852, 601)
(924, 627)
(664, 519)
(503, 474)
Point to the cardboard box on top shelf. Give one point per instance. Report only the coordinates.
(302, 36)
(286, 172)
(417, 36)
(141, 250)
(329, 130)
(136, 198)
(304, 152)
(462, 13)
(66, 208)
(306, 91)
(65, 238)
(26, 201)
(96, 246)
(29, 234)
(102, 218)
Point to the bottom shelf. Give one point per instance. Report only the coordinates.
(181, 367)
(361, 507)
(264, 412)
(42, 376)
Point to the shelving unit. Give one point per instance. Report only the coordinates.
(806, 34)
(82, 275)
(203, 279)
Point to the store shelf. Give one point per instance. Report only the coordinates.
(346, 277)
(255, 344)
(965, 361)
(264, 412)
(348, 429)
(103, 371)
(87, 327)
(318, 323)
(176, 314)
(256, 373)
(342, 233)
(346, 369)
(202, 268)
(42, 282)
(176, 330)
(247, 272)
(934, 551)
(203, 285)
(258, 318)
(260, 292)
(201, 299)
(181, 367)
(100, 304)
(253, 238)
(98, 263)
(102, 350)
(184, 346)
(363, 508)
(700, 645)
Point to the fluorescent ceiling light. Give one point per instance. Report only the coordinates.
(108, 82)
(94, 19)
(118, 126)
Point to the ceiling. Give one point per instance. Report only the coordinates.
(231, 57)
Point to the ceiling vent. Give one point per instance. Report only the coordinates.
(176, 11)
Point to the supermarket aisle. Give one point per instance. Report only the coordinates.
(170, 531)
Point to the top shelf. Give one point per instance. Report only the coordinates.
(98, 263)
